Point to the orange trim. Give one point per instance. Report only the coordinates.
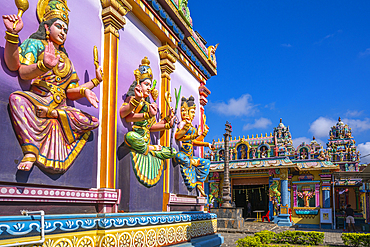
(109, 109)
(156, 29)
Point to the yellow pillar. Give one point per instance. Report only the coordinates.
(113, 18)
(168, 57)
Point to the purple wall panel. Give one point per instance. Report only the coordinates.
(136, 42)
(85, 31)
(189, 86)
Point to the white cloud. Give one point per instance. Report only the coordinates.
(261, 123)
(271, 106)
(364, 149)
(321, 126)
(357, 125)
(327, 37)
(235, 107)
(364, 53)
(354, 113)
(286, 45)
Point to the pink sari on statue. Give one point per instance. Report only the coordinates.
(56, 142)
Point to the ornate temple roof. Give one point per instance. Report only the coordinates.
(316, 165)
(253, 164)
(270, 163)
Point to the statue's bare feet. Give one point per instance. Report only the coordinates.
(27, 162)
(42, 112)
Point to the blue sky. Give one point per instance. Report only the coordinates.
(307, 62)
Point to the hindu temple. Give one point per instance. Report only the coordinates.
(288, 185)
(91, 154)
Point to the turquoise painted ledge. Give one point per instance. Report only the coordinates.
(306, 211)
(25, 226)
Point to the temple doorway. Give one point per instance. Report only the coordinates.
(257, 195)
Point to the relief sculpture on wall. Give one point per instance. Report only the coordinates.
(147, 159)
(194, 170)
(50, 132)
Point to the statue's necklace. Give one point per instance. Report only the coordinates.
(66, 66)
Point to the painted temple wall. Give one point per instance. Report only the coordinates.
(136, 42)
(189, 87)
(85, 31)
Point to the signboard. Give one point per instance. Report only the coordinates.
(326, 215)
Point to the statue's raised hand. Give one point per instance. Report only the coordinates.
(138, 92)
(50, 60)
(173, 117)
(91, 97)
(9, 21)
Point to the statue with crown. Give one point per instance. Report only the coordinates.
(50, 132)
(194, 170)
(147, 159)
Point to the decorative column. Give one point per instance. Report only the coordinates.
(203, 94)
(325, 187)
(113, 18)
(283, 218)
(284, 187)
(357, 198)
(226, 186)
(290, 190)
(167, 65)
(271, 206)
(295, 202)
(317, 195)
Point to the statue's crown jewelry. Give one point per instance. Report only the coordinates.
(144, 71)
(49, 9)
(188, 103)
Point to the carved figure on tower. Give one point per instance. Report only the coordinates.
(194, 170)
(50, 132)
(212, 54)
(147, 159)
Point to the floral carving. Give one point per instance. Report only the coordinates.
(139, 239)
(161, 236)
(125, 240)
(108, 241)
(151, 238)
(85, 242)
(171, 235)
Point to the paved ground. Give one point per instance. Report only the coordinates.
(332, 237)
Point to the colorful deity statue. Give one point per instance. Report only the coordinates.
(147, 159)
(212, 54)
(274, 190)
(243, 153)
(50, 132)
(194, 170)
(306, 194)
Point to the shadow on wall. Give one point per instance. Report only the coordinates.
(24, 84)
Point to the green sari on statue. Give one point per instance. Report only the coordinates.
(148, 165)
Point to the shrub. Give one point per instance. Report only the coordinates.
(299, 237)
(249, 241)
(356, 239)
(265, 236)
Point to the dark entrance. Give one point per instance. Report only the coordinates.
(257, 195)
